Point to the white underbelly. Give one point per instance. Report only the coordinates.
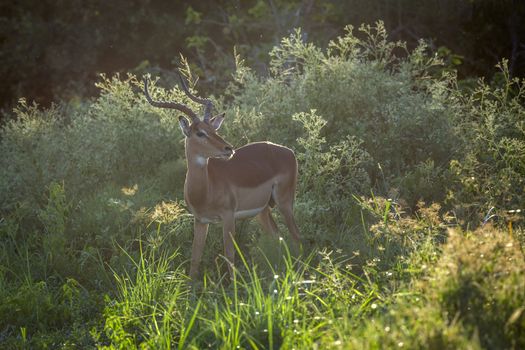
(241, 214)
(214, 220)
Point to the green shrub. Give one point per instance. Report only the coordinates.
(480, 281)
(44, 314)
(492, 171)
(397, 108)
(54, 218)
(116, 138)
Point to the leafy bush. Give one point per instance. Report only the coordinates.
(117, 139)
(397, 107)
(39, 311)
(492, 171)
(480, 281)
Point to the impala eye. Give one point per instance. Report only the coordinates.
(200, 134)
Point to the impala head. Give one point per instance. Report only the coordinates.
(202, 140)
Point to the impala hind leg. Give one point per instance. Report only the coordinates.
(289, 219)
(284, 198)
(200, 231)
(267, 222)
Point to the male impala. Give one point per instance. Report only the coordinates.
(224, 185)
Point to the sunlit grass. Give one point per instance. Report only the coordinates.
(294, 307)
(308, 302)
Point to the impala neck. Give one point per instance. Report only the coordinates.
(196, 177)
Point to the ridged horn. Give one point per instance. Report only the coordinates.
(208, 105)
(173, 105)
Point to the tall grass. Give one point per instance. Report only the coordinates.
(317, 302)
(291, 307)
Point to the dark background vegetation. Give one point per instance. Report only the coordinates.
(53, 50)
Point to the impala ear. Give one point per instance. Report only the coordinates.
(216, 121)
(184, 125)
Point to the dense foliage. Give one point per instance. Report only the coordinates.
(399, 163)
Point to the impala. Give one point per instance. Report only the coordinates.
(223, 184)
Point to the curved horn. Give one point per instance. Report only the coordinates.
(208, 105)
(164, 104)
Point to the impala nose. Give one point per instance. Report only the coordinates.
(228, 150)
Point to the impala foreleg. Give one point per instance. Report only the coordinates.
(199, 239)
